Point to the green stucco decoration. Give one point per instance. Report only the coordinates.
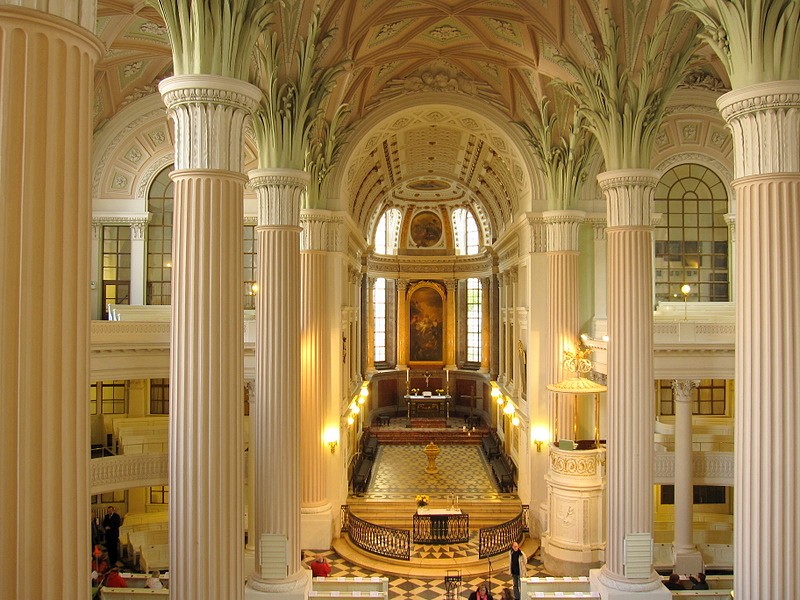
(757, 40)
(327, 142)
(623, 97)
(294, 101)
(562, 147)
(213, 37)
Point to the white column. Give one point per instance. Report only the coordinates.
(631, 407)
(766, 129)
(46, 82)
(688, 560)
(562, 227)
(138, 261)
(486, 333)
(276, 420)
(502, 329)
(206, 358)
(317, 245)
(370, 324)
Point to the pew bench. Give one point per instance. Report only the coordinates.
(350, 584)
(139, 539)
(362, 475)
(153, 557)
(553, 584)
(132, 594)
(564, 595)
(349, 595)
(701, 594)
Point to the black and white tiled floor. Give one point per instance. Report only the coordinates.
(399, 474)
(429, 589)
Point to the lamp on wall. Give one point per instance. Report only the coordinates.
(362, 395)
(540, 436)
(331, 438)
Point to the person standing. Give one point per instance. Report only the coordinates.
(111, 524)
(517, 566)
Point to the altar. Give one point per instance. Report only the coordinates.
(428, 406)
(440, 526)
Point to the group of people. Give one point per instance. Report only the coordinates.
(698, 583)
(517, 568)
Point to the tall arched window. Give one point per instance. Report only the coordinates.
(387, 233)
(159, 239)
(465, 230)
(474, 319)
(379, 319)
(692, 239)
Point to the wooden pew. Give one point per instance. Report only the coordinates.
(701, 594)
(155, 556)
(564, 595)
(350, 584)
(138, 539)
(132, 593)
(553, 584)
(348, 595)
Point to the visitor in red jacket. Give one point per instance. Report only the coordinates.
(320, 567)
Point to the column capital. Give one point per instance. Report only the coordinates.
(765, 128)
(629, 195)
(320, 231)
(682, 389)
(209, 113)
(562, 228)
(280, 194)
(402, 284)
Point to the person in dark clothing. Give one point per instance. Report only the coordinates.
(517, 566)
(111, 524)
(674, 582)
(699, 582)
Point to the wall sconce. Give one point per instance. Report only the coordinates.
(497, 394)
(540, 435)
(509, 409)
(350, 419)
(331, 438)
(686, 289)
(362, 395)
(515, 421)
(254, 289)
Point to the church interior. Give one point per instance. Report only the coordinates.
(398, 284)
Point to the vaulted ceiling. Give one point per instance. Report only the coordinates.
(429, 58)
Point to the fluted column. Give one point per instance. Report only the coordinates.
(318, 241)
(46, 82)
(765, 125)
(250, 499)
(503, 328)
(631, 412)
(450, 333)
(600, 266)
(138, 260)
(486, 332)
(370, 324)
(276, 422)
(688, 559)
(206, 359)
(402, 324)
(563, 227)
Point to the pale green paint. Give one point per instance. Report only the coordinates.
(757, 40)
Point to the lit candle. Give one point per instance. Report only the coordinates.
(407, 376)
(447, 375)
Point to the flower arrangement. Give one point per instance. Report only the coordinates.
(422, 500)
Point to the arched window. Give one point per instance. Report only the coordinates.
(387, 232)
(379, 319)
(465, 232)
(159, 239)
(474, 319)
(692, 238)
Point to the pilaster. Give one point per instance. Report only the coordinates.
(562, 227)
(318, 241)
(402, 324)
(450, 334)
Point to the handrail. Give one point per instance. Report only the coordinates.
(498, 538)
(383, 541)
(445, 529)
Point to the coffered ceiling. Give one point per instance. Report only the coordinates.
(429, 58)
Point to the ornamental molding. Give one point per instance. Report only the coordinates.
(701, 159)
(563, 228)
(629, 196)
(126, 471)
(763, 119)
(147, 176)
(461, 267)
(280, 194)
(682, 389)
(321, 232)
(209, 114)
(538, 232)
(576, 463)
(707, 468)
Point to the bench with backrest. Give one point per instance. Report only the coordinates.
(137, 539)
(121, 422)
(350, 584)
(362, 474)
(141, 522)
(132, 593)
(700, 594)
(154, 556)
(503, 470)
(490, 446)
(564, 595)
(149, 443)
(554, 584)
(370, 446)
(338, 594)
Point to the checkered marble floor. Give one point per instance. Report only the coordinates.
(399, 474)
(429, 589)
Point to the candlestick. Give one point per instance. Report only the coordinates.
(447, 375)
(408, 375)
